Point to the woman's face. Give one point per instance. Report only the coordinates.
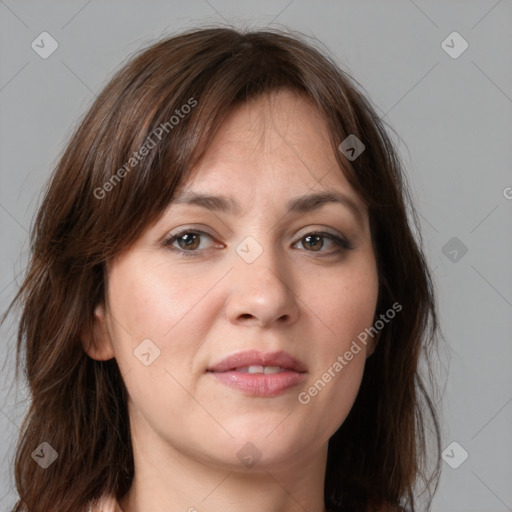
(256, 277)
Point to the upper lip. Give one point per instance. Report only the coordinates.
(257, 358)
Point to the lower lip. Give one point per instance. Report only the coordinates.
(260, 384)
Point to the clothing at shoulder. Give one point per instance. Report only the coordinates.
(105, 504)
(110, 504)
(381, 508)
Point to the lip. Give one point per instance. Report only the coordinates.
(259, 384)
(257, 358)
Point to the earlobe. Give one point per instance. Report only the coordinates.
(95, 336)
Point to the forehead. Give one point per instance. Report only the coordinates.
(276, 122)
(277, 143)
(271, 154)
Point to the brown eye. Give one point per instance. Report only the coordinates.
(187, 243)
(315, 242)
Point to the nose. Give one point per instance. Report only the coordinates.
(262, 292)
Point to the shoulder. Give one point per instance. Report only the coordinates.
(105, 504)
(375, 506)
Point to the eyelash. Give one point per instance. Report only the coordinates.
(341, 243)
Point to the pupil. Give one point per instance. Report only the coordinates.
(188, 239)
(317, 238)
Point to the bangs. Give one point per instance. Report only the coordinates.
(164, 119)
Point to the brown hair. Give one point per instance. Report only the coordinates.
(78, 405)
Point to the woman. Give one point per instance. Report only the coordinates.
(225, 306)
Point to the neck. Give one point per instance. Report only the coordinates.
(168, 479)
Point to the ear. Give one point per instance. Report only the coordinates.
(95, 337)
(372, 345)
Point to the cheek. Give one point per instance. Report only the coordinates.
(153, 301)
(333, 384)
(346, 307)
(157, 311)
(150, 320)
(140, 313)
(345, 303)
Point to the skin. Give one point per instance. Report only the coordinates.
(308, 300)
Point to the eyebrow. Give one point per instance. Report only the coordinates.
(301, 204)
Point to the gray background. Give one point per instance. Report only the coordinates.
(455, 125)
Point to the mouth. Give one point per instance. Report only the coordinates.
(258, 374)
(267, 370)
(252, 361)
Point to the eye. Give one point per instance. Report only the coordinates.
(315, 242)
(188, 242)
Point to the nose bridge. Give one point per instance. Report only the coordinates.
(262, 285)
(259, 263)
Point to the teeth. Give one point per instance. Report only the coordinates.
(261, 369)
(273, 369)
